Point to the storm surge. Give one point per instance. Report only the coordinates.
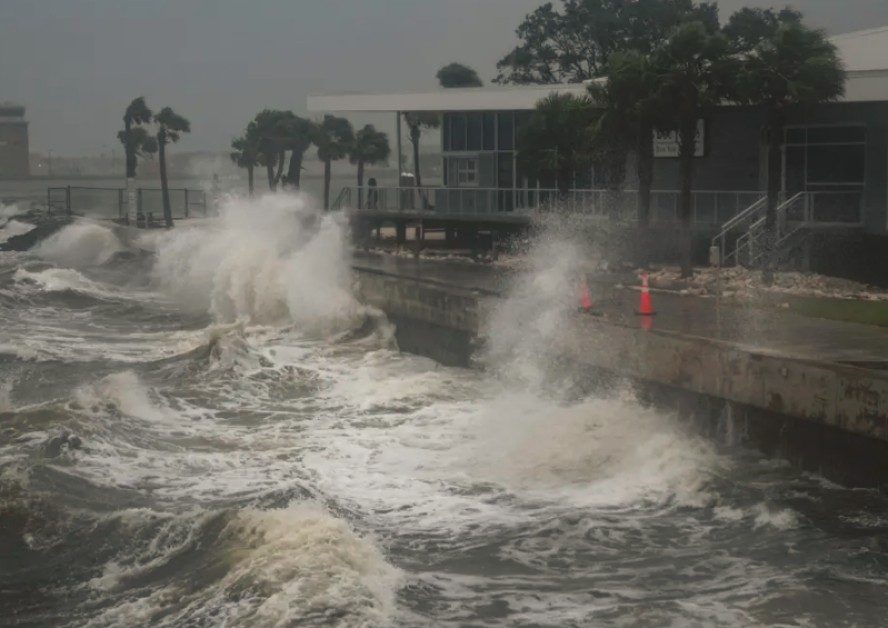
(203, 427)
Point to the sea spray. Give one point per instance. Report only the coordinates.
(270, 260)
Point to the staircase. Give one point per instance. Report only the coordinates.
(791, 234)
(343, 201)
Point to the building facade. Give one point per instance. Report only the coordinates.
(836, 153)
(14, 149)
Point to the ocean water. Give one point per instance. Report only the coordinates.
(203, 428)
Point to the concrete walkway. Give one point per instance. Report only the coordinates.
(762, 329)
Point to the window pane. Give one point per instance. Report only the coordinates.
(462, 177)
(445, 133)
(461, 164)
(489, 130)
(487, 174)
(836, 134)
(506, 136)
(458, 132)
(505, 178)
(795, 169)
(474, 129)
(471, 164)
(836, 164)
(521, 118)
(795, 136)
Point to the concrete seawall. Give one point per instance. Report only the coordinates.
(824, 416)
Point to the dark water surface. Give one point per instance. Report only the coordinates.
(205, 430)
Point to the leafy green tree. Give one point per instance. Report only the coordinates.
(418, 122)
(136, 115)
(458, 75)
(271, 128)
(370, 147)
(297, 140)
(136, 143)
(170, 126)
(749, 27)
(694, 71)
(245, 154)
(334, 137)
(629, 114)
(553, 139)
(795, 67)
(573, 45)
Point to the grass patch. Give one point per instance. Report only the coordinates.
(862, 312)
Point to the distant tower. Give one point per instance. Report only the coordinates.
(14, 151)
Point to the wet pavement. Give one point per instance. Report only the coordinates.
(751, 325)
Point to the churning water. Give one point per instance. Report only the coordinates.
(203, 428)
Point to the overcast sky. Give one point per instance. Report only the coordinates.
(75, 64)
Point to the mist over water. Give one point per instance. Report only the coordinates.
(202, 427)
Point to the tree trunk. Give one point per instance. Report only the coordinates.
(165, 188)
(687, 145)
(645, 167)
(250, 179)
(294, 172)
(414, 139)
(131, 209)
(327, 176)
(269, 169)
(277, 177)
(360, 182)
(775, 176)
(564, 177)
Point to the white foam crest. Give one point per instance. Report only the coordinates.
(123, 391)
(295, 566)
(269, 260)
(7, 212)
(61, 280)
(80, 245)
(14, 228)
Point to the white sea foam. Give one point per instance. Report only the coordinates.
(13, 228)
(61, 280)
(294, 566)
(80, 245)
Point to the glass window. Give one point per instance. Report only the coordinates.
(445, 133)
(467, 172)
(505, 172)
(458, 132)
(521, 118)
(489, 130)
(505, 131)
(836, 134)
(474, 126)
(837, 164)
(795, 136)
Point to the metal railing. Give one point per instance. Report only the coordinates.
(796, 217)
(110, 203)
(707, 207)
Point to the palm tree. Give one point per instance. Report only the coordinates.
(370, 147)
(628, 116)
(796, 66)
(245, 154)
(554, 138)
(170, 126)
(694, 71)
(418, 122)
(458, 75)
(137, 113)
(271, 129)
(297, 139)
(333, 136)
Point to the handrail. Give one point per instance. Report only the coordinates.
(746, 213)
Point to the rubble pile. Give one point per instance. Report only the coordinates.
(741, 283)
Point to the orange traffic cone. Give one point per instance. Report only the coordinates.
(645, 310)
(585, 299)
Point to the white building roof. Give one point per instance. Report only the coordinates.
(865, 54)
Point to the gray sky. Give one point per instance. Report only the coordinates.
(76, 64)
